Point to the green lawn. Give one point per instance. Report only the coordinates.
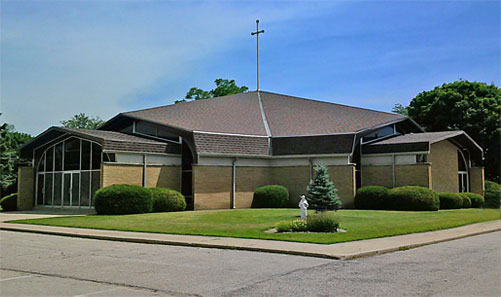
(251, 223)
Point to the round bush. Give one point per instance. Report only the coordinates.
(450, 200)
(165, 200)
(297, 225)
(123, 199)
(272, 196)
(492, 195)
(477, 201)
(466, 201)
(323, 222)
(372, 197)
(413, 198)
(9, 202)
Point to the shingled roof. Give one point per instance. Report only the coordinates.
(414, 142)
(109, 140)
(285, 115)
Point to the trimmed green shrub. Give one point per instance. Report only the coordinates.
(9, 202)
(272, 196)
(297, 225)
(321, 193)
(372, 197)
(450, 200)
(466, 201)
(492, 195)
(413, 198)
(323, 222)
(123, 199)
(165, 200)
(477, 201)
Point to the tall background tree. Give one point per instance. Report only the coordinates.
(10, 142)
(223, 87)
(83, 121)
(474, 107)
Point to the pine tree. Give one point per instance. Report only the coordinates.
(321, 193)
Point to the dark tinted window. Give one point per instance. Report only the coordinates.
(49, 159)
(72, 154)
(145, 128)
(59, 157)
(388, 130)
(96, 156)
(85, 155)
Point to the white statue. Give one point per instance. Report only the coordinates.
(303, 206)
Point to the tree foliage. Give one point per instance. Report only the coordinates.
(83, 121)
(400, 109)
(321, 193)
(223, 87)
(474, 107)
(10, 142)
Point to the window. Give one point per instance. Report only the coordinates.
(421, 158)
(385, 131)
(109, 157)
(146, 128)
(154, 130)
(49, 159)
(72, 154)
(85, 155)
(73, 175)
(59, 157)
(462, 174)
(96, 156)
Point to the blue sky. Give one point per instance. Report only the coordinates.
(59, 58)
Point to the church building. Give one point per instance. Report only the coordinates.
(218, 151)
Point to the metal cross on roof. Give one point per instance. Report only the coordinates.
(257, 49)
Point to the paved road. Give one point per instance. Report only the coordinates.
(44, 265)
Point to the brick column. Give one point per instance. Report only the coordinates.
(25, 188)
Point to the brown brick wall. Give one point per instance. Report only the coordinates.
(294, 178)
(343, 177)
(248, 180)
(477, 180)
(444, 166)
(25, 188)
(212, 186)
(132, 174)
(163, 177)
(405, 175)
(413, 175)
(377, 175)
(121, 174)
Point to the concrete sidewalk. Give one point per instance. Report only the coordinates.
(346, 250)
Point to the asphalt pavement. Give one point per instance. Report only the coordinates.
(48, 265)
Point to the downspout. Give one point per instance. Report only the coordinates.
(144, 170)
(233, 182)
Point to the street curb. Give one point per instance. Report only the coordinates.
(412, 246)
(306, 251)
(173, 243)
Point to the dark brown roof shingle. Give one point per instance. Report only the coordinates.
(231, 145)
(286, 115)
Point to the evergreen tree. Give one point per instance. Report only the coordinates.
(321, 193)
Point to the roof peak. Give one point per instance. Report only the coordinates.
(261, 92)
